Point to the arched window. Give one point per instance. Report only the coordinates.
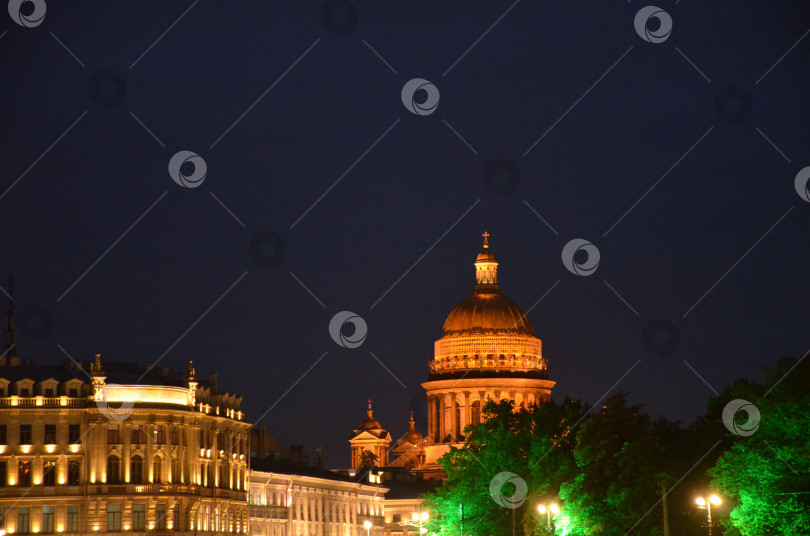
(157, 465)
(136, 470)
(113, 470)
(475, 412)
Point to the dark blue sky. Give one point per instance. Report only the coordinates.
(642, 111)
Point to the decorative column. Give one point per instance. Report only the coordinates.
(148, 465)
(126, 449)
(431, 412)
(320, 515)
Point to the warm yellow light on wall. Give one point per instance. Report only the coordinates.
(60, 528)
(95, 527)
(74, 448)
(11, 481)
(37, 482)
(2, 449)
(126, 527)
(25, 449)
(50, 448)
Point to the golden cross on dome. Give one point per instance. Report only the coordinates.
(486, 239)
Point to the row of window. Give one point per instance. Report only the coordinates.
(46, 525)
(25, 473)
(137, 474)
(139, 517)
(72, 521)
(138, 436)
(26, 434)
(25, 392)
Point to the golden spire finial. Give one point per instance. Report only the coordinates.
(411, 421)
(95, 368)
(370, 411)
(191, 371)
(486, 239)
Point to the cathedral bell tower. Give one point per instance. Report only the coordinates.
(370, 443)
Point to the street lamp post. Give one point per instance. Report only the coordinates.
(367, 524)
(548, 510)
(707, 504)
(420, 518)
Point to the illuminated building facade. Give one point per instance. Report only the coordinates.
(158, 451)
(298, 500)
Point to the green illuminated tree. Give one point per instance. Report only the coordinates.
(767, 474)
(533, 444)
(621, 464)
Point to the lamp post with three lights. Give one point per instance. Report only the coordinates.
(707, 504)
(548, 509)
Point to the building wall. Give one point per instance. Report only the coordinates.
(180, 468)
(295, 505)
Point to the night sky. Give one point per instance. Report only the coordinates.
(676, 159)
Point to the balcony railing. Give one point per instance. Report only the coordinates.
(167, 489)
(40, 491)
(150, 489)
(43, 401)
(268, 512)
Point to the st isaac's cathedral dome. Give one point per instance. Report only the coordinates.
(487, 350)
(487, 311)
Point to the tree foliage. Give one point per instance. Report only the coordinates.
(767, 473)
(610, 470)
(621, 464)
(533, 444)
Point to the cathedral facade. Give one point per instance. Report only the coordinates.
(487, 351)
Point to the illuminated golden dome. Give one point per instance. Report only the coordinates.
(413, 435)
(370, 423)
(487, 310)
